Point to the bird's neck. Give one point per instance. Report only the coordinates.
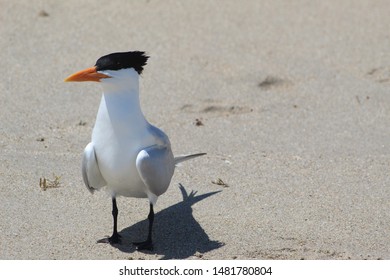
(120, 106)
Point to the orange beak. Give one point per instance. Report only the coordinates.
(86, 75)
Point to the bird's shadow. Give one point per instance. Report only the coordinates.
(176, 233)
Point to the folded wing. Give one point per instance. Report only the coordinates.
(92, 177)
(155, 166)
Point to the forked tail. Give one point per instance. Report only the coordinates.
(180, 159)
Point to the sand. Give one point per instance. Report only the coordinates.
(290, 100)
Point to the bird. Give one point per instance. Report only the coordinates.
(127, 155)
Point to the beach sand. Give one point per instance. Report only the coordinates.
(289, 99)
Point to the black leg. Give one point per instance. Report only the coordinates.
(115, 238)
(148, 243)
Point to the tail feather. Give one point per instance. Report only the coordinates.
(180, 159)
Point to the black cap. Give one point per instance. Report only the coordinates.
(122, 60)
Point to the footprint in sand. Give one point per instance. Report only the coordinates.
(271, 82)
(380, 75)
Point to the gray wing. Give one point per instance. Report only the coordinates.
(92, 177)
(155, 166)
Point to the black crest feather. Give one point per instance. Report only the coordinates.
(122, 60)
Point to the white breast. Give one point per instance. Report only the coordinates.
(119, 134)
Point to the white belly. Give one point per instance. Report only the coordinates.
(119, 171)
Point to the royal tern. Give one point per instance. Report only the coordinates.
(127, 154)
